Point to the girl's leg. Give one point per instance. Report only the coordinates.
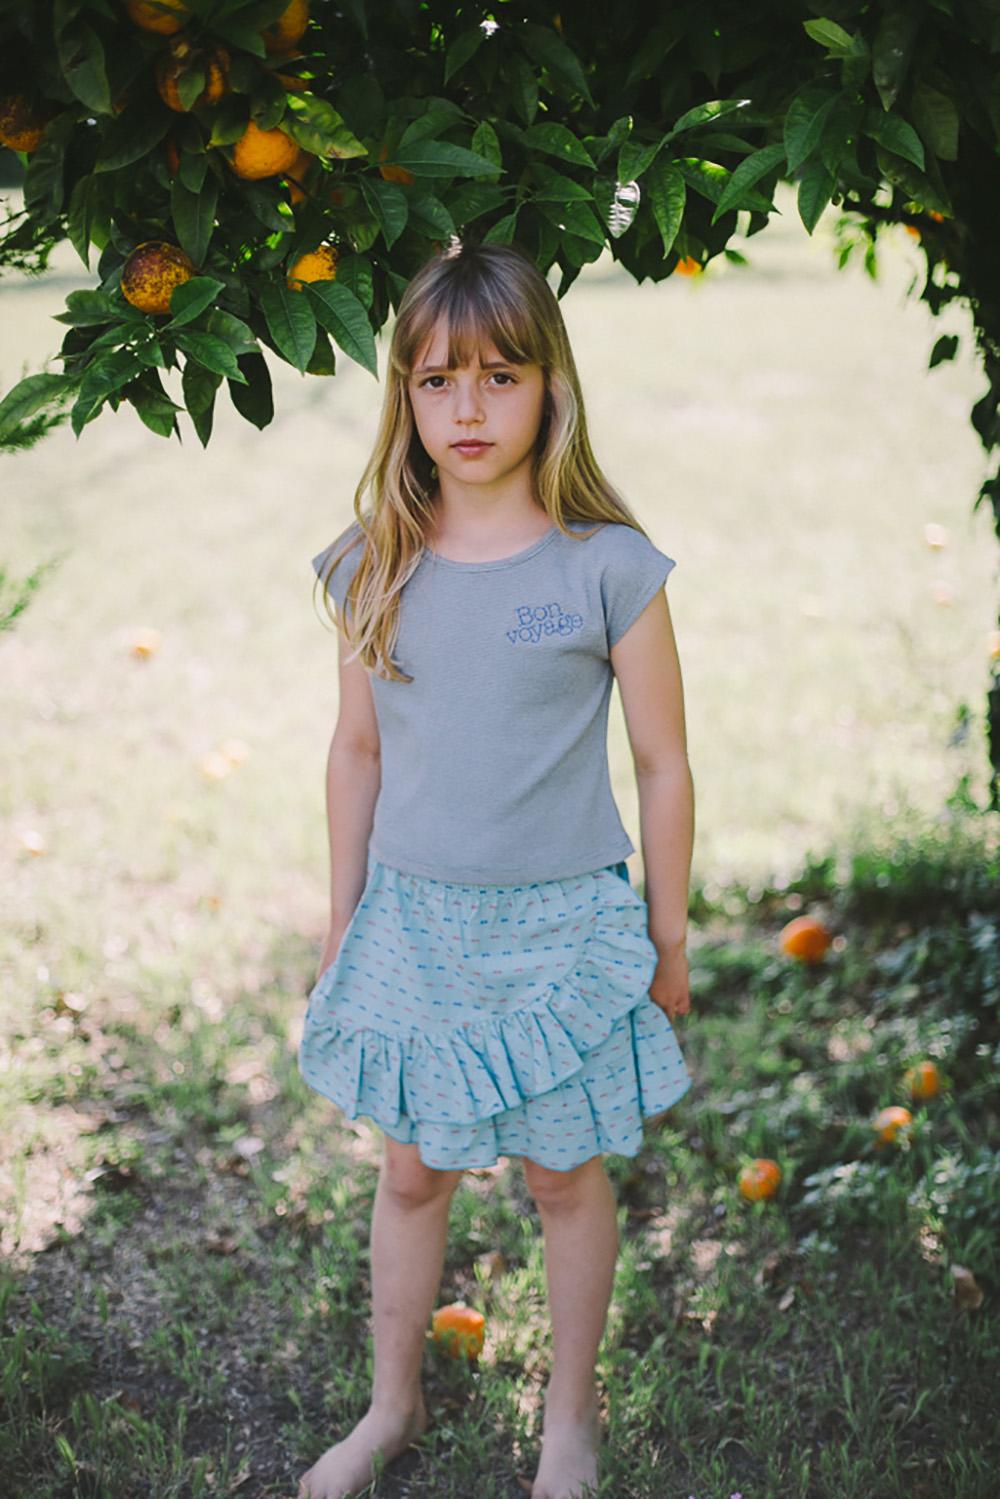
(579, 1220)
(409, 1233)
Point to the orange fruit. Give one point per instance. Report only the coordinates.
(151, 272)
(391, 173)
(288, 29)
(759, 1178)
(932, 213)
(804, 938)
(315, 265)
(888, 1122)
(164, 16)
(263, 153)
(912, 229)
(173, 155)
(688, 266)
(292, 80)
(179, 60)
(458, 1329)
(22, 122)
(923, 1080)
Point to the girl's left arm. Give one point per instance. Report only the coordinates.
(646, 665)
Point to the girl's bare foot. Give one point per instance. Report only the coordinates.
(346, 1468)
(568, 1466)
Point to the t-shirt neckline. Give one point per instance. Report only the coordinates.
(511, 561)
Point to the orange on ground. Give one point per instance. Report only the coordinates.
(164, 16)
(804, 938)
(22, 123)
(263, 153)
(172, 65)
(288, 28)
(760, 1178)
(923, 1080)
(390, 173)
(315, 265)
(458, 1329)
(888, 1122)
(151, 272)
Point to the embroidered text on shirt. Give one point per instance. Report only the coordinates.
(536, 620)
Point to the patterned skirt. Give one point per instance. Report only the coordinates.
(484, 1020)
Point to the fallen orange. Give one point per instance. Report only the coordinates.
(804, 938)
(760, 1178)
(458, 1329)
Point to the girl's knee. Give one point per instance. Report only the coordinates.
(551, 1188)
(410, 1179)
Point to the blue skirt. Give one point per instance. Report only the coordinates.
(484, 1020)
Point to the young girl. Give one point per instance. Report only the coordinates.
(491, 984)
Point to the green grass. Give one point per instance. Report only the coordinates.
(184, 1299)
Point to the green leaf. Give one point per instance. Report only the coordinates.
(917, 186)
(341, 314)
(636, 157)
(81, 57)
(429, 215)
(895, 135)
(667, 192)
(440, 159)
(318, 128)
(893, 46)
(389, 206)
(253, 399)
(291, 322)
(355, 272)
(191, 298)
(31, 395)
(815, 191)
(233, 331)
(576, 218)
(829, 35)
(936, 117)
(704, 114)
(214, 353)
(470, 199)
(106, 375)
(86, 308)
(804, 121)
(502, 232)
(545, 47)
(132, 135)
(486, 144)
(198, 387)
(193, 214)
(556, 140)
(465, 45)
(555, 187)
(945, 348)
(749, 171)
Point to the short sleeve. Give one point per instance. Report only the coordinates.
(340, 578)
(634, 573)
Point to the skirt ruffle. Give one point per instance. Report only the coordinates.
(568, 1072)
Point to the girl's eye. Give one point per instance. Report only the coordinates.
(498, 375)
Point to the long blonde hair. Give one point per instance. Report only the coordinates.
(481, 291)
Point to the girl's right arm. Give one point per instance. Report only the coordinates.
(353, 780)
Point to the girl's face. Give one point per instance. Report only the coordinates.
(495, 403)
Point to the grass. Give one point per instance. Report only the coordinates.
(184, 1298)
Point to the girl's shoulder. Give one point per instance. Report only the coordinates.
(338, 545)
(630, 569)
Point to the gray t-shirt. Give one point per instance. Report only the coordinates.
(494, 758)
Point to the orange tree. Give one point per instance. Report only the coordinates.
(254, 173)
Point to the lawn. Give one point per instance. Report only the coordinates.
(184, 1293)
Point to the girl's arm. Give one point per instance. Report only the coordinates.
(353, 780)
(649, 678)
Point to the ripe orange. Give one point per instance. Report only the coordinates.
(932, 213)
(151, 272)
(688, 266)
(760, 1178)
(804, 938)
(263, 153)
(923, 1080)
(179, 60)
(458, 1329)
(295, 84)
(391, 173)
(288, 28)
(315, 265)
(164, 16)
(22, 122)
(912, 229)
(888, 1122)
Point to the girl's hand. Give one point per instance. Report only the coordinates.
(330, 949)
(670, 986)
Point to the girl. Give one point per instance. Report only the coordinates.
(491, 983)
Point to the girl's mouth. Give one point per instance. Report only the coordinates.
(470, 448)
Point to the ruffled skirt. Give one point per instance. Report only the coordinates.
(485, 1020)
